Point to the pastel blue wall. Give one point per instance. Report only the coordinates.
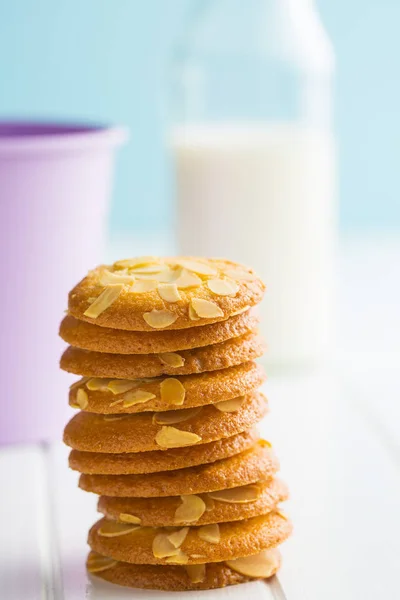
(106, 60)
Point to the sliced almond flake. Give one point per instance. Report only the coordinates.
(97, 383)
(243, 494)
(223, 287)
(137, 397)
(127, 518)
(171, 359)
(209, 502)
(159, 319)
(152, 269)
(229, 406)
(264, 444)
(169, 292)
(240, 311)
(178, 537)
(73, 405)
(129, 263)
(119, 386)
(143, 286)
(82, 399)
(192, 314)
(119, 401)
(206, 309)
(172, 391)
(115, 529)
(78, 383)
(209, 533)
(171, 437)
(262, 565)
(162, 547)
(282, 514)
(197, 267)
(114, 417)
(187, 280)
(191, 509)
(240, 275)
(107, 277)
(104, 301)
(171, 417)
(97, 563)
(179, 559)
(196, 573)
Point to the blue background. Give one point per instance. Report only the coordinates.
(107, 60)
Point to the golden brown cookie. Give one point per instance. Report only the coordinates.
(159, 431)
(247, 467)
(234, 504)
(178, 578)
(102, 395)
(118, 341)
(133, 366)
(150, 293)
(209, 543)
(98, 463)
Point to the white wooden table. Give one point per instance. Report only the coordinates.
(337, 433)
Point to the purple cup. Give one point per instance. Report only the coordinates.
(55, 184)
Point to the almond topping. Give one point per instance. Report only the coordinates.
(125, 518)
(115, 529)
(229, 406)
(143, 286)
(169, 292)
(209, 533)
(114, 417)
(239, 275)
(108, 277)
(119, 386)
(150, 269)
(170, 437)
(197, 267)
(238, 495)
(97, 563)
(190, 511)
(170, 417)
(192, 314)
(187, 280)
(102, 302)
(158, 319)
(97, 383)
(209, 502)
(130, 263)
(137, 397)
(178, 537)
(172, 391)
(162, 547)
(82, 399)
(171, 359)
(223, 287)
(262, 565)
(240, 311)
(206, 309)
(196, 573)
(264, 444)
(179, 559)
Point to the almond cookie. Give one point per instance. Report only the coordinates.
(87, 336)
(159, 431)
(101, 395)
(151, 293)
(234, 504)
(98, 463)
(178, 578)
(132, 366)
(188, 545)
(247, 467)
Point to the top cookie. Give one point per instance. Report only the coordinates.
(151, 293)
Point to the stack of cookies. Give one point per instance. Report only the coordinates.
(166, 433)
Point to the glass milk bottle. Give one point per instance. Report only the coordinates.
(254, 159)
